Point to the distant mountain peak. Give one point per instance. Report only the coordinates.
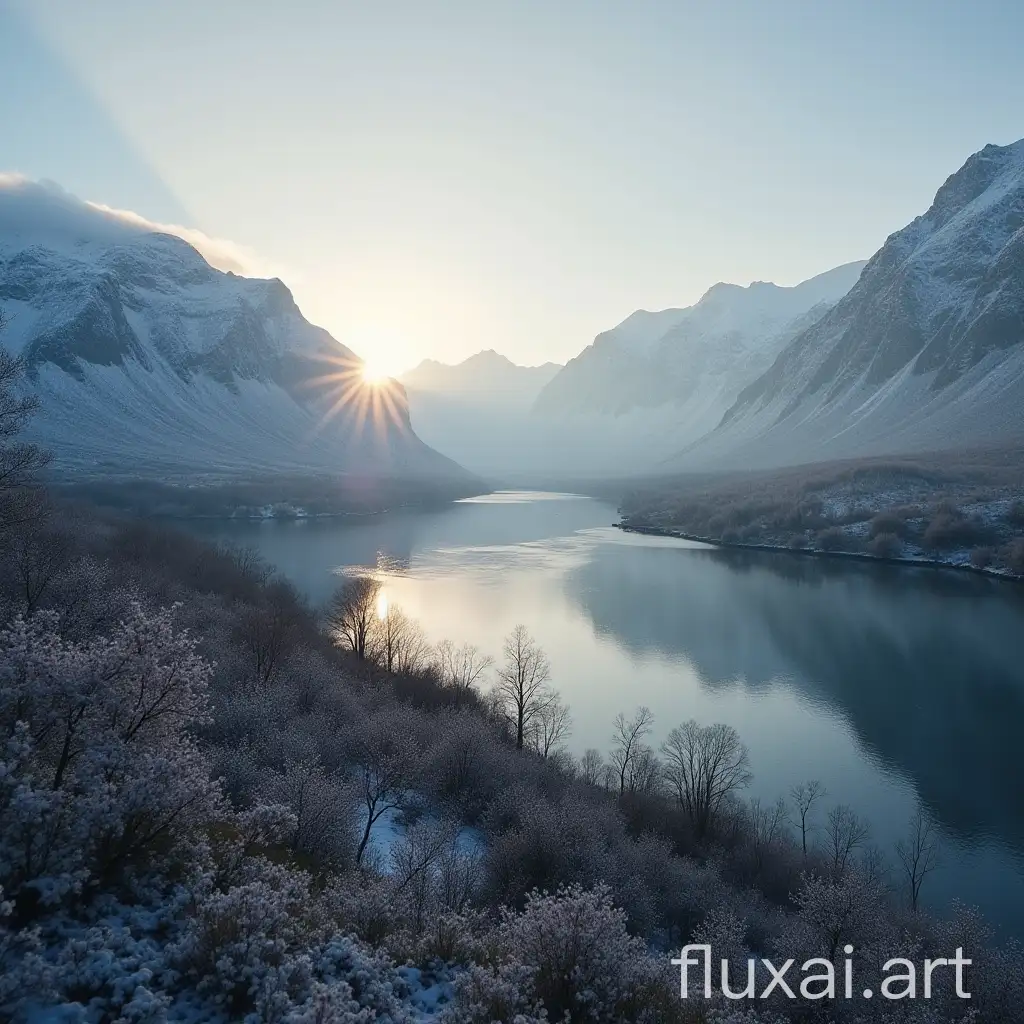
(487, 375)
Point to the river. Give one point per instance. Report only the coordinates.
(891, 685)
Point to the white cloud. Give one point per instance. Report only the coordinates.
(44, 207)
(221, 253)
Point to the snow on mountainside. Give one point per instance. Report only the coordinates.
(695, 359)
(487, 376)
(149, 361)
(925, 352)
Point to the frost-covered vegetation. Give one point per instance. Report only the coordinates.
(953, 508)
(197, 773)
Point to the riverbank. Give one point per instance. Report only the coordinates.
(962, 510)
(860, 556)
(294, 497)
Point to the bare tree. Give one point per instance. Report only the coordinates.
(20, 462)
(918, 854)
(592, 768)
(704, 764)
(628, 742)
(396, 643)
(873, 866)
(387, 764)
(767, 827)
(37, 557)
(805, 796)
(460, 668)
(644, 773)
(271, 629)
(549, 728)
(844, 833)
(414, 651)
(415, 862)
(522, 690)
(352, 615)
(249, 562)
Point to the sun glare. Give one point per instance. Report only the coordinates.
(373, 374)
(382, 605)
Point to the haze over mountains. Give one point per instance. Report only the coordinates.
(633, 397)
(149, 361)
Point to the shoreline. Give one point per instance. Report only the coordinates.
(859, 556)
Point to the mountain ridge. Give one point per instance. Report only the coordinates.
(666, 357)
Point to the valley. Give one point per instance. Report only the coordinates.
(330, 696)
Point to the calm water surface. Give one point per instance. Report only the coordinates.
(891, 685)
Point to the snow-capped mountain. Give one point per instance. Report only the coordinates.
(149, 361)
(484, 378)
(925, 352)
(696, 359)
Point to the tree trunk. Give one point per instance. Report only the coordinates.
(365, 839)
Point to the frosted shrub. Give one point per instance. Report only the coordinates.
(236, 939)
(725, 933)
(117, 976)
(997, 974)
(263, 950)
(100, 783)
(736, 1015)
(504, 993)
(831, 913)
(455, 937)
(466, 763)
(322, 809)
(21, 967)
(365, 904)
(585, 961)
(543, 844)
(570, 956)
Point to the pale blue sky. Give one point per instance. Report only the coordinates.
(437, 178)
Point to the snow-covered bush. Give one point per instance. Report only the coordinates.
(503, 994)
(467, 763)
(101, 786)
(323, 810)
(536, 843)
(568, 956)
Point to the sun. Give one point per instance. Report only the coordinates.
(373, 374)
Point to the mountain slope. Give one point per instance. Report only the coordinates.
(925, 352)
(149, 361)
(696, 359)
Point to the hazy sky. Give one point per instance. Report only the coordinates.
(433, 178)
